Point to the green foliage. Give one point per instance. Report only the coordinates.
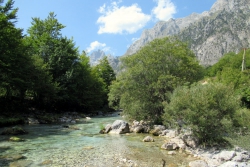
(208, 109)
(242, 118)
(229, 71)
(239, 140)
(150, 75)
(44, 70)
(105, 71)
(15, 62)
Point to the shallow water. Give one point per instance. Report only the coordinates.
(53, 145)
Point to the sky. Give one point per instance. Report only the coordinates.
(109, 25)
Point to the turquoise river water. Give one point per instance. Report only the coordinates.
(55, 146)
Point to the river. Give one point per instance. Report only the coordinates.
(53, 145)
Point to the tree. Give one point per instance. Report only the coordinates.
(15, 62)
(58, 53)
(150, 75)
(105, 71)
(86, 90)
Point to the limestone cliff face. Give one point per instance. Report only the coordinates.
(225, 28)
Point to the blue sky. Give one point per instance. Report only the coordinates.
(110, 25)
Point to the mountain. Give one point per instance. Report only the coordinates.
(97, 55)
(211, 34)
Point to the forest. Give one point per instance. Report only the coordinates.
(45, 71)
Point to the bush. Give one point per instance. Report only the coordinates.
(208, 109)
(242, 118)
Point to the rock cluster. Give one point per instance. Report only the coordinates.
(223, 158)
(140, 127)
(184, 142)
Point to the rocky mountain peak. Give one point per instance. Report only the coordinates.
(226, 5)
(211, 34)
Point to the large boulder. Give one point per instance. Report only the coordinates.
(14, 131)
(119, 127)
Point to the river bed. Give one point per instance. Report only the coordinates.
(53, 145)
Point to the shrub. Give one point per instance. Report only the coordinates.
(207, 109)
(242, 118)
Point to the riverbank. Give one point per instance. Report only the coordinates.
(45, 117)
(54, 145)
(183, 141)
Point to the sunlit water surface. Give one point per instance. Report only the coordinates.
(53, 145)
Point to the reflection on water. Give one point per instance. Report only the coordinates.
(53, 145)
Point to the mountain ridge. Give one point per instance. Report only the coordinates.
(211, 34)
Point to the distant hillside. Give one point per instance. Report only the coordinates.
(96, 56)
(211, 34)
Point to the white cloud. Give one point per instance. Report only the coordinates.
(97, 45)
(164, 10)
(124, 19)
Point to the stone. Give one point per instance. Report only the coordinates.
(119, 127)
(171, 153)
(135, 123)
(241, 157)
(148, 139)
(16, 139)
(138, 129)
(46, 162)
(14, 131)
(21, 163)
(230, 164)
(33, 121)
(169, 146)
(15, 157)
(198, 163)
(108, 128)
(225, 155)
(157, 131)
(213, 162)
(160, 127)
(180, 143)
(169, 133)
(190, 141)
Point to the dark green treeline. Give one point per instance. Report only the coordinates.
(44, 70)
